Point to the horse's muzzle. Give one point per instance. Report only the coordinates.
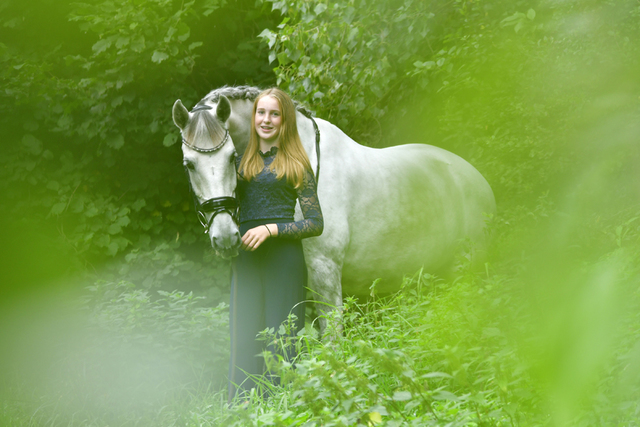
(226, 244)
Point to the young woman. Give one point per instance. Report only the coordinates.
(270, 274)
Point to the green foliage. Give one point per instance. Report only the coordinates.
(433, 354)
(483, 349)
(541, 97)
(120, 355)
(351, 66)
(86, 116)
(549, 338)
(504, 84)
(175, 327)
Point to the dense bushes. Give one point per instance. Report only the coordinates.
(86, 101)
(529, 92)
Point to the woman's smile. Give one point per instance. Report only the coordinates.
(268, 120)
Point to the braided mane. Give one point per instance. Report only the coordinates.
(243, 92)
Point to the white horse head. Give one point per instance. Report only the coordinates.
(209, 157)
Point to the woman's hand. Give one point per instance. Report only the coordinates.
(254, 237)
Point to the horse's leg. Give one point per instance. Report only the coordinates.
(325, 281)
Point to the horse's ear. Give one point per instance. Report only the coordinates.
(180, 114)
(223, 110)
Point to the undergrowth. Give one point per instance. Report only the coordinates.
(434, 353)
(539, 339)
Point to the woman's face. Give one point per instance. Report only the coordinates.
(268, 120)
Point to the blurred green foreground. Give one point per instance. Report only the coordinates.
(112, 307)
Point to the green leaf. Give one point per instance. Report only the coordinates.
(280, 5)
(146, 224)
(123, 221)
(375, 418)
(33, 144)
(122, 41)
(531, 14)
(169, 139)
(436, 375)
(112, 248)
(401, 396)
(58, 208)
(138, 44)
(101, 45)
(116, 142)
(139, 204)
(114, 229)
(321, 7)
(283, 58)
(158, 56)
(518, 26)
(210, 6)
(183, 31)
(269, 36)
(91, 212)
(445, 395)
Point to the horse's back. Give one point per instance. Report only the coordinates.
(411, 206)
(389, 212)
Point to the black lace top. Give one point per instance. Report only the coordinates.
(266, 197)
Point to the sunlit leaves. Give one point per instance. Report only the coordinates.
(519, 20)
(327, 53)
(158, 56)
(101, 45)
(211, 6)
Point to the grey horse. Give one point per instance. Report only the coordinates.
(387, 212)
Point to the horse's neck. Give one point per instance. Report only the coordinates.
(240, 123)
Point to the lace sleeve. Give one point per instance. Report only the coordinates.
(312, 224)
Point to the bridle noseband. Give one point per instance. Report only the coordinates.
(215, 205)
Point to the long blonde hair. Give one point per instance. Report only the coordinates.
(291, 160)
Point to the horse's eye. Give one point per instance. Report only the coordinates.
(189, 165)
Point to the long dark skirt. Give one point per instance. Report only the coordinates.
(266, 285)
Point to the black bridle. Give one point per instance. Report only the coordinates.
(215, 205)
